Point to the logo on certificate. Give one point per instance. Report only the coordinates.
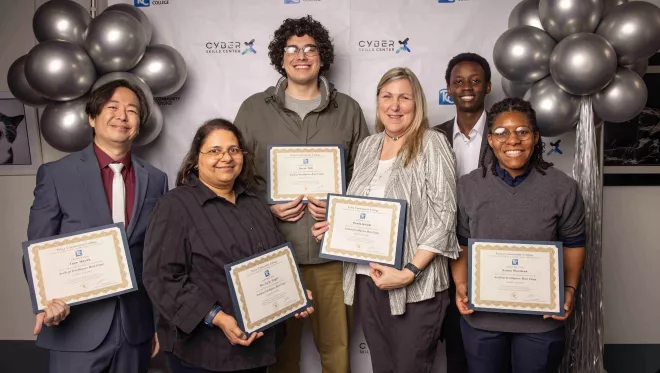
(514, 262)
(78, 252)
(305, 161)
(266, 273)
(363, 216)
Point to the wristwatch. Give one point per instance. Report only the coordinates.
(416, 271)
(208, 320)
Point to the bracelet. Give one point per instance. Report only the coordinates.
(208, 320)
(569, 286)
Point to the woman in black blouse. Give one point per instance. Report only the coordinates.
(210, 219)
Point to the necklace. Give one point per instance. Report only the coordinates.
(395, 138)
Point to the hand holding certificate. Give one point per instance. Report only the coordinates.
(266, 289)
(304, 171)
(79, 267)
(516, 277)
(364, 230)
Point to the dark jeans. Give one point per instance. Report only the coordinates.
(179, 366)
(496, 352)
(399, 344)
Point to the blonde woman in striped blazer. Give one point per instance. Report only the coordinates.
(402, 310)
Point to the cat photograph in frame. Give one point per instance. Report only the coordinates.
(20, 142)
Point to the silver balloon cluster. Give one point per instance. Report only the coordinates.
(557, 51)
(77, 53)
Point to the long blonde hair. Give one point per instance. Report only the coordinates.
(420, 123)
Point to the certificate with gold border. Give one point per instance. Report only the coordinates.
(79, 267)
(364, 230)
(307, 170)
(266, 289)
(516, 276)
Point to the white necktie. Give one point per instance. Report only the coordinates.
(118, 194)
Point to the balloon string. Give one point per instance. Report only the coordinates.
(92, 8)
(584, 333)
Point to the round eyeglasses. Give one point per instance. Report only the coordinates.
(502, 134)
(216, 153)
(308, 50)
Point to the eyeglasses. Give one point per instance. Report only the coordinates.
(308, 50)
(502, 134)
(216, 154)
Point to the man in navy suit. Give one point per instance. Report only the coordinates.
(102, 184)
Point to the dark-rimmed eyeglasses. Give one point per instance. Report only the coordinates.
(217, 153)
(502, 134)
(308, 50)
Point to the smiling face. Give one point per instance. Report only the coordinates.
(220, 159)
(468, 87)
(396, 106)
(512, 139)
(302, 68)
(118, 123)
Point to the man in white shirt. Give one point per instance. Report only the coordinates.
(468, 83)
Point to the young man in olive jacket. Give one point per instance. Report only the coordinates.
(304, 108)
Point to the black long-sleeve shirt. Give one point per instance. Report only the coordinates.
(192, 234)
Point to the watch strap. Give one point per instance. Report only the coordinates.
(208, 319)
(416, 271)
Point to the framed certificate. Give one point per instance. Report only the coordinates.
(516, 276)
(79, 267)
(295, 170)
(364, 230)
(266, 289)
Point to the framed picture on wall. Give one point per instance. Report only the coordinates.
(20, 142)
(632, 149)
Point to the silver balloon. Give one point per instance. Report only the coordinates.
(557, 112)
(633, 29)
(115, 41)
(525, 13)
(522, 54)
(639, 67)
(138, 14)
(515, 89)
(163, 69)
(583, 64)
(65, 126)
(561, 18)
(59, 70)
(19, 86)
(608, 5)
(120, 75)
(150, 130)
(622, 99)
(61, 20)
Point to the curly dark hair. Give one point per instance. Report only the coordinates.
(300, 27)
(468, 57)
(247, 175)
(524, 107)
(100, 96)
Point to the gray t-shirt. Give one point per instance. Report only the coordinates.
(542, 208)
(301, 107)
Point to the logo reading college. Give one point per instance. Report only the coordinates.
(250, 47)
(384, 45)
(141, 3)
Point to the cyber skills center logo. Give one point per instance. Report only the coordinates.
(147, 3)
(231, 47)
(299, 1)
(385, 45)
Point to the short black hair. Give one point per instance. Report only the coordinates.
(518, 105)
(300, 27)
(100, 96)
(468, 57)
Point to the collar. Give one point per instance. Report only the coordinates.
(104, 159)
(510, 180)
(204, 194)
(327, 92)
(477, 130)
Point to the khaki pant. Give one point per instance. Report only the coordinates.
(329, 323)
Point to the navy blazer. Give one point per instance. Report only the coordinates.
(69, 197)
(448, 129)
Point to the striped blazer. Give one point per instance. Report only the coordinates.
(428, 185)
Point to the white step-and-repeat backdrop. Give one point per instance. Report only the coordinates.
(212, 34)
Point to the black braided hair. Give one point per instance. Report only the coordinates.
(524, 107)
